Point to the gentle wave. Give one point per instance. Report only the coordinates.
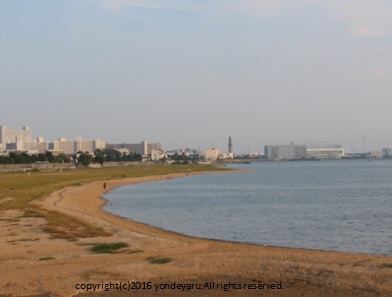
(332, 205)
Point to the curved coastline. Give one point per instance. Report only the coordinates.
(302, 272)
(157, 206)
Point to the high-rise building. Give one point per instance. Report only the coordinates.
(39, 146)
(14, 138)
(71, 147)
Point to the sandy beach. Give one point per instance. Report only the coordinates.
(34, 264)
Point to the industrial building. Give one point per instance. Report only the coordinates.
(298, 152)
(324, 153)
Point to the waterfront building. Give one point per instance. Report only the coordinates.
(211, 154)
(387, 152)
(285, 152)
(322, 150)
(324, 153)
(376, 154)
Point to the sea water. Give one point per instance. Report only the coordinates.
(326, 205)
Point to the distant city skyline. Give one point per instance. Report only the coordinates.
(192, 73)
(15, 132)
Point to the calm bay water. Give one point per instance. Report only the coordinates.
(329, 205)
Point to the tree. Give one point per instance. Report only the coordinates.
(112, 155)
(85, 159)
(49, 157)
(61, 158)
(99, 156)
(21, 158)
(6, 160)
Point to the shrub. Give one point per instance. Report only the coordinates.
(108, 247)
(157, 260)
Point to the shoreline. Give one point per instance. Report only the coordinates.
(302, 272)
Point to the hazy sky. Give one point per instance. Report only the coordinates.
(190, 73)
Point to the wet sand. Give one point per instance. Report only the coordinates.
(34, 264)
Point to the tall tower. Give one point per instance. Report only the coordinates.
(230, 146)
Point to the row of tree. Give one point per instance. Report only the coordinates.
(24, 158)
(106, 155)
(84, 158)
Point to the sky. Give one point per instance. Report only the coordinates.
(191, 73)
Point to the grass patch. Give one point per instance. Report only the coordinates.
(103, 248)
(386, 265)
(158, 260)
(32, 213)
(135, 251)
(46, 258)
(71, 228)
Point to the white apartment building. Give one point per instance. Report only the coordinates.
(14, 139)
(71, 147)
(89, 145)
(39, 146)
(211, 154)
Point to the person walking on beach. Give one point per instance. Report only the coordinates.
(104, 185)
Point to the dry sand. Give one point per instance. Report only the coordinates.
(33, 264)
